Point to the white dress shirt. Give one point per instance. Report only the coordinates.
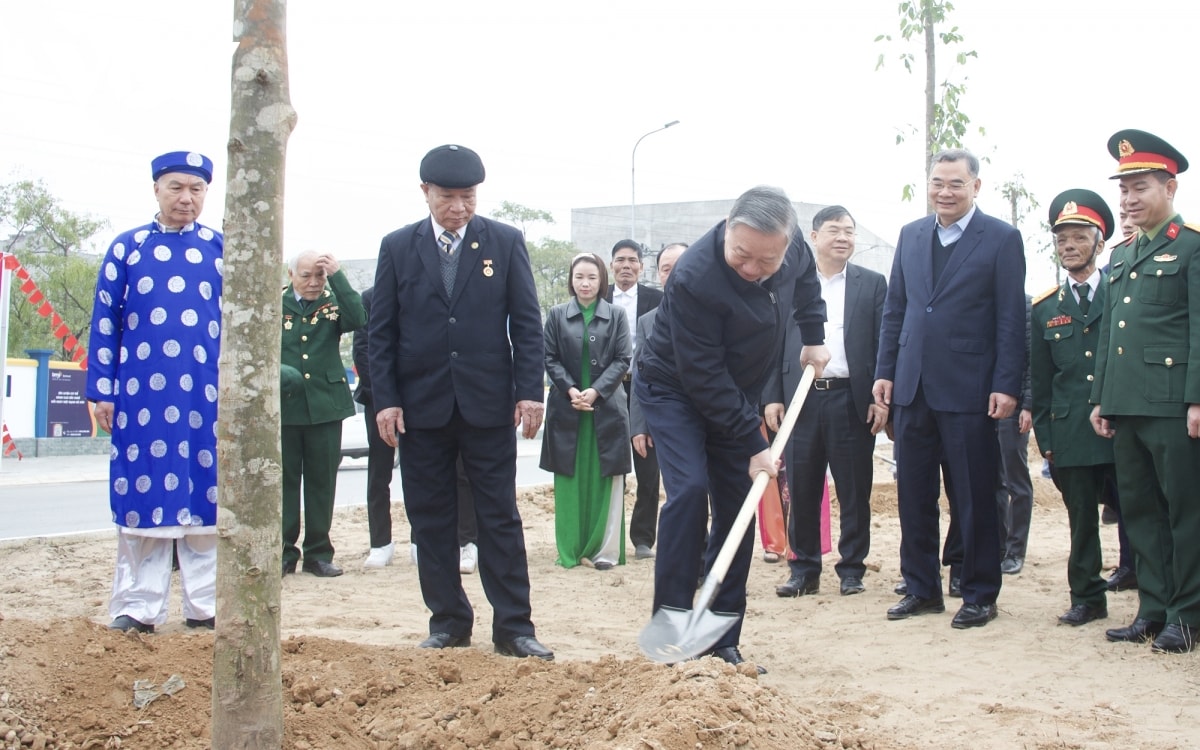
(627, 301)
(833, 291)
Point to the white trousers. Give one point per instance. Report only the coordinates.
(610, 545)
(142, 579)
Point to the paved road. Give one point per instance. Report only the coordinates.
(54, 508)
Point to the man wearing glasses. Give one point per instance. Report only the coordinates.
(951, 359)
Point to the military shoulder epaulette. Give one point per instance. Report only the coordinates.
(1045, 295)
(1128, 240)
(1193, 227)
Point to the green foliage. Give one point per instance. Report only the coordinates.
(34, 219)
(550, 258)
(518, 215)
(946, 125)
(56, 247)
(551, 261)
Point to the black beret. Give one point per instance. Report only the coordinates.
(452, 166)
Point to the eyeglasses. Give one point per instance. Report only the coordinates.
(955, 186)
(835, 232)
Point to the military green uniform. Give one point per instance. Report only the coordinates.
(1148, 372)
(1062, 362)
(313, 405)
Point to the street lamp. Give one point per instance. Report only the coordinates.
(633, 181)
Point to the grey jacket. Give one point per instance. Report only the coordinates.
(609, 350)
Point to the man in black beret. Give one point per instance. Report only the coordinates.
(456, 357)
(1065, 334)
(1147, 391)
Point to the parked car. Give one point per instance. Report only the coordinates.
(354, 437)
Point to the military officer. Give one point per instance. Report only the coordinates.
(1147, 391)
(318, 307)
(1064, 336)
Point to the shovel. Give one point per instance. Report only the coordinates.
(674, 634)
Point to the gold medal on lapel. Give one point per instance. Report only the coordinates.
(487, 268)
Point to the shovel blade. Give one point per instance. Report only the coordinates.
(675, 635)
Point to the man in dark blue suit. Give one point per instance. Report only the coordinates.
(951, 360)
(456, 356)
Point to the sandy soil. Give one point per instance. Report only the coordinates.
(840, 674)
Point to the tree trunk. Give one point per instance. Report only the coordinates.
(247, 704)
(930, 89)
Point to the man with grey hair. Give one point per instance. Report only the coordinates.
(951, 360)
(700, 378)
(318, 307)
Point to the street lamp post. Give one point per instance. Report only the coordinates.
(633, 181)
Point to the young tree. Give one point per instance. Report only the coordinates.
(945, 122)
(549, 258)
(247, 702)
(58, 249)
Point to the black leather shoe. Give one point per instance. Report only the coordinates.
(955, 590)
(798, 586)
(1175, 639)
(1122, 579)
(901, 588)
(973, 616)
(322, 568)
(1081, 614)
(1139, 631)
(210, 623)
(289, 567)
(852, 585)
(1010, 566)
(731, 655)
(126, 623)
(445, 640)
(523, 646)
(914, 605)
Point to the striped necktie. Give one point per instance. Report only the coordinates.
(446, 241)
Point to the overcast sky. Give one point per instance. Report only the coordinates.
(553, 95)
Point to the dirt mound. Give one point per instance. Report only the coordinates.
(69, 684)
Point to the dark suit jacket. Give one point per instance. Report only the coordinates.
(479, 347)
(362, 367)
(950, 338)
(647, 298)
(865, 293)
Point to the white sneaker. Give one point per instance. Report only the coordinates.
(468, 557)
(380, 557)
(412, 553)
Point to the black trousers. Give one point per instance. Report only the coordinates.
(966, 444)
(829, 433)
(380, 463)
(427, 469)
(643, 521)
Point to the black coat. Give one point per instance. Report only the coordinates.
(478, 349)
(609, 350)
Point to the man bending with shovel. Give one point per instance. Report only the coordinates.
(699, 379)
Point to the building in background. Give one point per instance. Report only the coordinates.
(595, 230)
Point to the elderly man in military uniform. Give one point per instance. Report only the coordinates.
(318, 307)
(1062, 348)
(1147, 391)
